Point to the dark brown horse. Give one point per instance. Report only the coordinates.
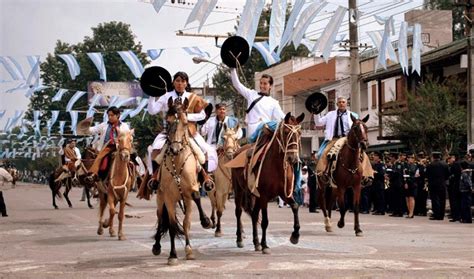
(276, 179)
(348, 173)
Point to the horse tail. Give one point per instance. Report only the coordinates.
(247, 202)
(165, 224)
(53, 186)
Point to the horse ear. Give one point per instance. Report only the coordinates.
(225, 126)
(353, 118)
(300, 118)
(170, 102)
(366, 118)
(287, 117)
(236, 128)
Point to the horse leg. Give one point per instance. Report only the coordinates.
(295, 235)
(322, 203)
(218, 232)
(255, 213)
(173, 258)
(357, 190)
(88, 196)
(213, 215)
(342, 207)
(111, 203)
(264, 225)
(187, 227)
(205, 222)
(102, 205)
(238, 215)
(66, 191)
(163, 224)
(121, 216)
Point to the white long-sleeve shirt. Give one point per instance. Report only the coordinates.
(209, 129)
(329, 120)
(156, 105)
(267, 109)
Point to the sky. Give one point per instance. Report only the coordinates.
(32, 27)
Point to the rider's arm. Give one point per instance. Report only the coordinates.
(244, 91)
(277, 113)
(205, 129)
(97, 128)
(320, 121)
(155, 105)
(197, 116)
(78, 153)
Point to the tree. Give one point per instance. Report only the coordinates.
(435, 119)
(459, 22)
(256, 63)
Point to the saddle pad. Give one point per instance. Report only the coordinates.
(238, 162)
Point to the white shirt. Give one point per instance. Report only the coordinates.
(267, 109)
(209, 129)
(329, 120)
(78, 154)
(101, 130)
(156, 105)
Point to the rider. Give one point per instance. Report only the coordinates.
(72, 159)
(108, 134)
(337, 124)
(195, 112)
(213, 128)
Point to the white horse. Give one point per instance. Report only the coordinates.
(5, 176)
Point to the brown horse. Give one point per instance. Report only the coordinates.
(118, 184)
(55, 186)
(219, 195)
(178, 181)
(347, 173)
(276, 179)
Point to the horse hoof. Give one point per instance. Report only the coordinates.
(70, 206)
(122, 237)
(328, 229)
(112, 234)
(189, 253)
(156, 250)
(240, 244)
(266, 251)
(206, 223)
(340, 225)
(258, 248)
(100, 231)
(91, 207)
(56, 207)
(218, 234)
(294, 239)
(359, 233)
(105, 224)
(172, 261)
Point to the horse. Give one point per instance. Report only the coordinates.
(178, 181)
(276, 179)
(347, 173)
(79, 177)
(219, 195)
(118, 184)
(5, 175)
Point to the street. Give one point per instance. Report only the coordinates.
(37, 241)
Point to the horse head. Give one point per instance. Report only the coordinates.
(231, 143)
(290, 137)
(358, 133)
(125, 144)
(177, 124)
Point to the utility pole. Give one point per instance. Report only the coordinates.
(470, 54)
(354, 54)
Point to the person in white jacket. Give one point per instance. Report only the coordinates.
(108, 134)
(213, 129)
(261, 106)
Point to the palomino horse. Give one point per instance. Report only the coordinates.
(119, 183)
(219, 195)
(276, 179)
(178, 181)
(79, 177)
(348, 173)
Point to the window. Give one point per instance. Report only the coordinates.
(374, 95)
(400, 89)
(382, 93)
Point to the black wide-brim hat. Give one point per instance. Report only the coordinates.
(235, 49)
(208, 110)
(156, 81)
(316, 103)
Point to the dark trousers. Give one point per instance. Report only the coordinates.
(379, 201)
(420, 200)
(454, 201)
(466, 202)
(397, 199)
(365, 199)
(3, 207)
(438, 201)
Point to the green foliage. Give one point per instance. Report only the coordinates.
(256, 63)
(435, 120)
(145, 131)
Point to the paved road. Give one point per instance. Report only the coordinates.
(37, 241)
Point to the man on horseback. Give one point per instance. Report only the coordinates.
(213, 129)
(72, 160)
(195, 112)
(337, 124)
(108, 134)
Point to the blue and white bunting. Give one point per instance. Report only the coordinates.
(249, 20)
(326, 41)
(196, 51)
(132, 62)
(376, 37)
(305, 20)
(157, 4)
(95, 101)
(74, 99)
(73, 66)
(154, 53)
(403, 48)
(416, 51)
(59, 95)
(98, 61)
(114, 100)
(286, 38)
(38, 128)
(54, 116)
(202, 9)
(277, 23)
(382, 58)
(140, 107)
(36, 115)
(74, 115)
(2, 113)
(62, 123)
(126, 102)
(269, 57)
(13, 67)
(124, 114)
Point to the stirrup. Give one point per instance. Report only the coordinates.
(208, 185)
(153, 184)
